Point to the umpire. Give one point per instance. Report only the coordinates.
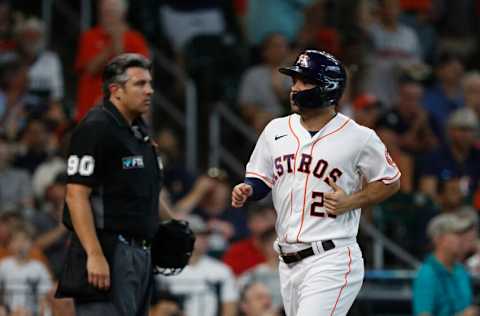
(112, 199)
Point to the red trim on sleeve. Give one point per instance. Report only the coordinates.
(389, 180)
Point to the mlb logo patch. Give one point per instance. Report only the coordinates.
(132, 162)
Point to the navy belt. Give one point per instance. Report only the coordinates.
(293, 257)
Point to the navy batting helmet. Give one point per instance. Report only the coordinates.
(325, 72)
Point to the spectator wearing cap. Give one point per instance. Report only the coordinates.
(206, 284)
(442, 285)
(445, 94)
(458, 157)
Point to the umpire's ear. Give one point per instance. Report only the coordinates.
(116, 90)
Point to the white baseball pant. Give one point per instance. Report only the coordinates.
(325, 284)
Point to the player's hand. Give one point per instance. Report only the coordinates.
(334, 201)
(98, 271)
(240, 194)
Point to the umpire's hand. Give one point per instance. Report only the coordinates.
(98, 271)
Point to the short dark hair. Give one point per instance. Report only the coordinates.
(115, 70)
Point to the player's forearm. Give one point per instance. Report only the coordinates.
(373, 193)
(82, 220)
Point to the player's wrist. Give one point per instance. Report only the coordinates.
(348, 203)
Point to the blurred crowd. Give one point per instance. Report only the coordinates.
(411, 77)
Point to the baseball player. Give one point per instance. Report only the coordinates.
(315, 161)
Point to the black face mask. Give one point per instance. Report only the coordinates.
(311, 98)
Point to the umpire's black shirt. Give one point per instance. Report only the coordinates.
(120, 164)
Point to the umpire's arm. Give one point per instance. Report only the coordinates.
(77, 198)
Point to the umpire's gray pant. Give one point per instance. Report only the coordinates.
(131, 285)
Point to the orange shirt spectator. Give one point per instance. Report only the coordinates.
(97, 46)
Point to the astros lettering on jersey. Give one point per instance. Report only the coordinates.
(297, 166)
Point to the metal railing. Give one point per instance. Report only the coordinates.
(381, 243)
(218, 154)
(187, 120)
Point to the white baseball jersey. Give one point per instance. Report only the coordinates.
(295, 166)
